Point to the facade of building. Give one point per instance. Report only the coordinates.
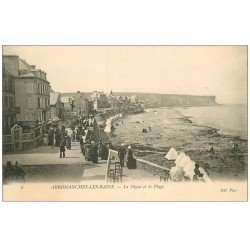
(76, 103)
(81, 106)
(112, 100)
(56, 106)
(32, 90)
(10, 110)
(69, 105)
(100, 100)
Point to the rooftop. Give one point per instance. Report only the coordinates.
(27, 75)
(65, 99)
(54, 97)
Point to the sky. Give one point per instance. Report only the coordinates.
(196, 70)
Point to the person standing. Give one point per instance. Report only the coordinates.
(73, 135)
(62, 149)
(87, 150)
(122, 154)
(45, 139)
(81, 144)
(94, 152)
(8, 174)
(58, 138)
(68, 142)
(130, 159)
(51, 137)
(104, 152)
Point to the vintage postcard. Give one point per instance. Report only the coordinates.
(124, 123)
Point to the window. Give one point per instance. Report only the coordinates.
(6, 102)
(40, 88)
(4, 84)
(30, 102)
(41, 103)
(10, 102)
(30, 87)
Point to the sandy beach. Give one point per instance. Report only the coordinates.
(170, 128)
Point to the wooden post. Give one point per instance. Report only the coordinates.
(108, 167)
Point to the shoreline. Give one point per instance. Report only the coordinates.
(221, 128)
(185, 135)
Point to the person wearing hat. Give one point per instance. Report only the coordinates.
(122, 154)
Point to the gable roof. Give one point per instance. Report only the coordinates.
(23, 64)
(65, 99)
(54, 98)
(86, 95)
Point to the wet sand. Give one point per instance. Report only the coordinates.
(171, 129)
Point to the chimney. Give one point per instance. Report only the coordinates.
(33, 66)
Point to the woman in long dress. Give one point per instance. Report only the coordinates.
(46, 139)
(68, 142)
(94, 152)
(130, 158)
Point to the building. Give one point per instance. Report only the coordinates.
(10, 110)
(112, 100)
(100, 100)
(56, 106)
(81, 104)
(78, 103)
(69, 105)
(134, 99)
(32, 90)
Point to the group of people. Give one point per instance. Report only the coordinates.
(126, 155)
(13, 173)
(89, 146)
(60, 137)
(54, 135)
(92, 150)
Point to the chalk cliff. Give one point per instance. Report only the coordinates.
(173, 100)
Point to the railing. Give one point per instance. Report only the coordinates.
(27, 136)
(19, 140)
(7, 139)
(113, 157)
(37, 132)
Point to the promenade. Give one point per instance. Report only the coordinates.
(42, 164)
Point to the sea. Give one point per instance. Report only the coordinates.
(230, 119)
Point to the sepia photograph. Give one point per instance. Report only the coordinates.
(124, 123)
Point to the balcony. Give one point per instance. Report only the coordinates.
(11, 110)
